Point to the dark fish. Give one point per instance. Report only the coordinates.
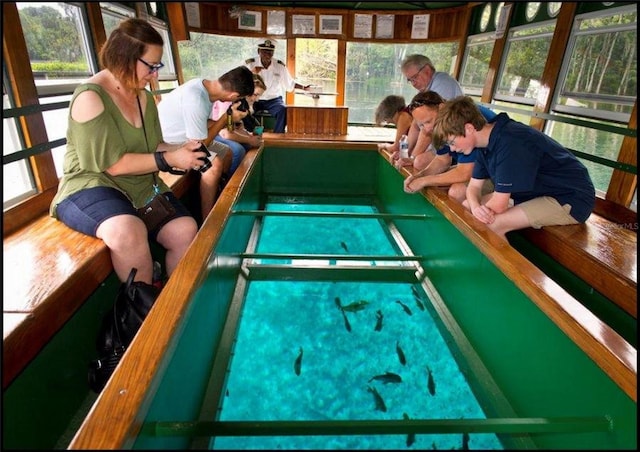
(297, 366)
(405, 307)
(344, 246)
(378, 399)
(379, 316)
(418, 301)
(338, 303)
(387, 377)
(411, 437)
(415, 292)
(430, 383)
(347, 325)
(465, 441)
(356, 306)
(401, 356)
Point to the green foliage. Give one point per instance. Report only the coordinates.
(59, 66)
(52, 35)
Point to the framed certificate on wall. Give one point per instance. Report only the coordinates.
(330, 25)
(250, 20)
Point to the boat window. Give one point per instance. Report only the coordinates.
(475, 66)
(373, 72)
(532, 10)
(496, 16)
(599, 79)
(17, 181)
(523, 62)
(486, 16)
(553, 8)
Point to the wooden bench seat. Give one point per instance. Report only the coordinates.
(49, 271)
(600, 252)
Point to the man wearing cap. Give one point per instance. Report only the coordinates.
(278, 80)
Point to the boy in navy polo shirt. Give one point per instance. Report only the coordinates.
(537, 181)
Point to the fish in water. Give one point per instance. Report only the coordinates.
(387, 377)
(344, 246)
(411, 437)
(465, 441)
(380, 406)
(431, 384)
(356, 306)
(405, 307)
(338, 302)
(297, 366)
(347, 325)
(417, 297)
(401, 356)
(379, 316)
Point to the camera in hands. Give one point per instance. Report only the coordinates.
(207, 159)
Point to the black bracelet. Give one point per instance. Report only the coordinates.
(161, 162)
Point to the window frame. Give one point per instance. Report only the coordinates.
(505, 55)
(622, 118)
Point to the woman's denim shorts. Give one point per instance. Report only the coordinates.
(86, 209)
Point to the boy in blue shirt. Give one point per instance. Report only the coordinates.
(538, 182)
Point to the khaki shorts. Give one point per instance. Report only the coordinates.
(218, 149)
(547, 211)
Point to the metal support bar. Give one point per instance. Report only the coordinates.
(387, 216)
(300, 428)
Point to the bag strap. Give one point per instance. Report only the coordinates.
(170, 169)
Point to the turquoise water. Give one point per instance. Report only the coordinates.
(334, 379)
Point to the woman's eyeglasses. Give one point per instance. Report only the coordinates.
(153, 68)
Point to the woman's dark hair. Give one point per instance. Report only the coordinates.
(125, 45)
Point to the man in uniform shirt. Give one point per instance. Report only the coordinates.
(278, 80)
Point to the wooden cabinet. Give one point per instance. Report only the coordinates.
(317, 120)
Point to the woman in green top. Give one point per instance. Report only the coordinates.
(114, 151)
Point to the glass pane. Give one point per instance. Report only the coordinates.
(373, 72)
(17, 181)
(602, 71)
(591, 141)
(208, 55)
(56, 42)
(316, 63)
(486, 16)
(496, 18)
(526, 55)
(532, 10)
(112, 15)
(476, 64)
(553, 8)
(169, 69)
(524, 118)
(56, 122)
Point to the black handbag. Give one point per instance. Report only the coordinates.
(119, 326)
(157, 212)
